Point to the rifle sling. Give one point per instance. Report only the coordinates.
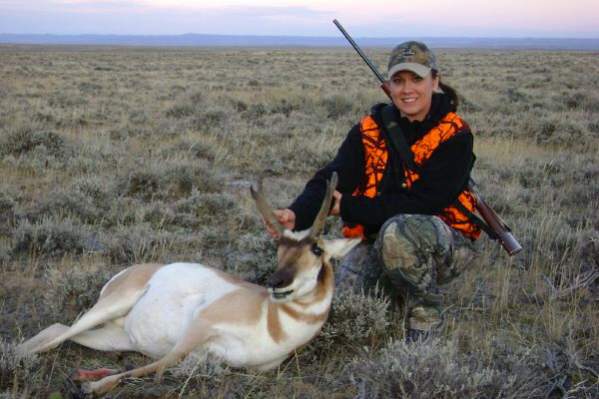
(396, 137)
(476, 220)
(398, 141)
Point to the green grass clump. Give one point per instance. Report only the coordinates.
(357, 319)
(72, 291)
(50, 236)
(135, 244)
(18, 372)
(28, 140)
(437, 369)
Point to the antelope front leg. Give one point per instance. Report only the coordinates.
(191, 340)
(108, 383)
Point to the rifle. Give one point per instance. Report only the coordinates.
(495, 228)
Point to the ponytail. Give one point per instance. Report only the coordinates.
(449, 91)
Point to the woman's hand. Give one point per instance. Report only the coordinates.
(285, 217)
(336, 209)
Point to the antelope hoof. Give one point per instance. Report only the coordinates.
(100, 387)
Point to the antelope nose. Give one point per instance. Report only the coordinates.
(281, 278)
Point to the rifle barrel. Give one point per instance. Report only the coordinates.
(359, 51)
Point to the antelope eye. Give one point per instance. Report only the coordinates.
(316, 250)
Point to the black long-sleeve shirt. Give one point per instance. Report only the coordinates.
(442, 177)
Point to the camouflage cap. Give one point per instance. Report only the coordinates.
(412, 56)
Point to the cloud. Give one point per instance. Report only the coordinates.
(58, 6)
(135, 17)
(372, 18)
(272, 11)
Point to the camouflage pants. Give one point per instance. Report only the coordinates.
(411, 257)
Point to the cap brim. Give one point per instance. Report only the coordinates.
(418, 69)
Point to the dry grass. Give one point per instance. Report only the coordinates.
(113, 156)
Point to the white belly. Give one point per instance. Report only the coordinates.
(176, 293)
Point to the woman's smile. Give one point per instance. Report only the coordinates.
(412, 94)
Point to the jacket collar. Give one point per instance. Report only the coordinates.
(441, 105)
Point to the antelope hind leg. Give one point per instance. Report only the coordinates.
(109, 337)
(106, 309)
(46, 335)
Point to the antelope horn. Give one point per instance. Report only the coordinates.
(318, 224)
(266, 210)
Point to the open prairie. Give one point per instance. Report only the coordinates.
(112, 156)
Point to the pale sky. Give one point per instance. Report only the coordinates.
(366, 18)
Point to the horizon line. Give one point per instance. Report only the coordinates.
(301, 36)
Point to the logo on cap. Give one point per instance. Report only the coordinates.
(407, 52)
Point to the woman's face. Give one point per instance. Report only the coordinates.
(413, 94)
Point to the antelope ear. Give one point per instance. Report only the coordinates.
(339, 247)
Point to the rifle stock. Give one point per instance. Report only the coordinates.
(500, 230)
(498, 226)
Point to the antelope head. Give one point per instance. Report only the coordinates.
(302, 256)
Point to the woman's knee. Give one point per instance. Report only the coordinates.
(412, 246)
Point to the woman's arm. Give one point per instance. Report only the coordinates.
(348, 163)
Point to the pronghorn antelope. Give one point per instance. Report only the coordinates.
(170, 311)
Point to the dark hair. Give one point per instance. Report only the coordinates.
(450, 91)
